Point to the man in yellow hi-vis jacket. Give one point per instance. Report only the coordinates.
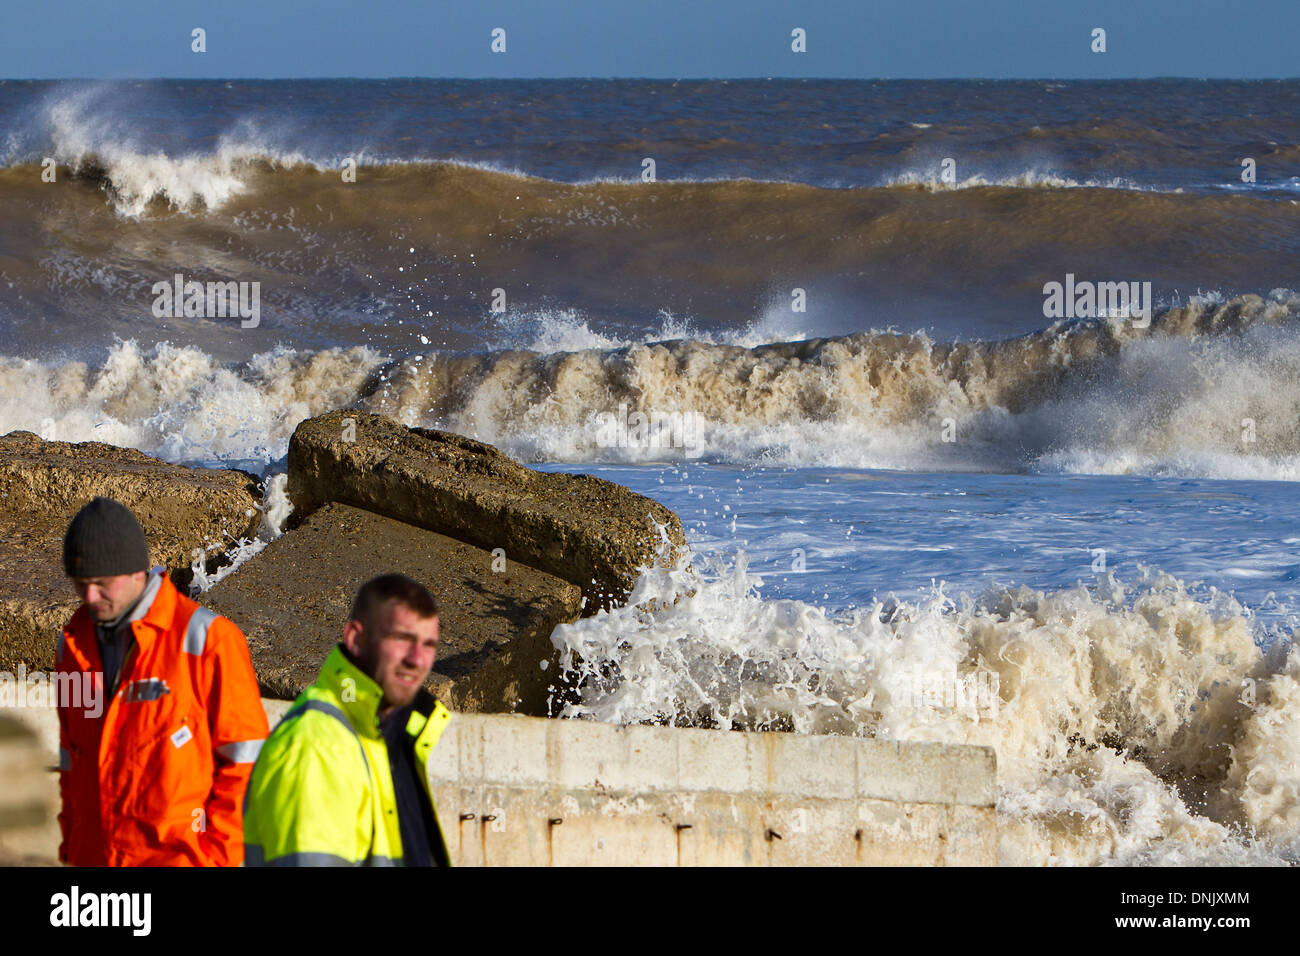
(342, 779)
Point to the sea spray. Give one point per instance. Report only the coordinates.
(1120, 728)
(275, 509)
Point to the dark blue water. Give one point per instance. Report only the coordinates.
(1161, 134)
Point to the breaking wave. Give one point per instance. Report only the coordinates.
(1134, 725)
(1208, 390)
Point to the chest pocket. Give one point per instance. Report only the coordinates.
(150, 688)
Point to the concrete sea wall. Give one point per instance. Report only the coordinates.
(515, 790)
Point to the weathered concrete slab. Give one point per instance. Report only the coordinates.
(520, 791)
(43, 484)
(29, 798)
(24, 797)
(590, 532)
(293, 598)
(514, 791)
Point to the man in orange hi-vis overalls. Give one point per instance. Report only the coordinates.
(155, 756)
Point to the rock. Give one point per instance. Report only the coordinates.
(292, 601)
(43, 484)
(590, 532)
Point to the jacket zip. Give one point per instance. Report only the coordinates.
(126, 671)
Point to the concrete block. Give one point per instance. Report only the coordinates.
(582, 529)
(927, 772)
(292, 601)
(825, 766)
(649, 760)
(713, 760)
(898, 834)
(513, 751)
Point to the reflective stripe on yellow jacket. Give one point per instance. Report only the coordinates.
(321, 793)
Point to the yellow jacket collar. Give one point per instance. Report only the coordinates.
(357, 693)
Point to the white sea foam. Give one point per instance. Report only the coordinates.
(1032, 178)
(1114, 707)
(275, 508)
(548, 331)
(180, 404)
(1184, 404)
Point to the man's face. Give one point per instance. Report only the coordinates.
(397, 651)
(107, 598)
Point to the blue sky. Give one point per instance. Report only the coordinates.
(654, 38)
